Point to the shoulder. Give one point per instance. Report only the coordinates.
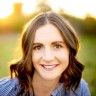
(83, 89)
(8, 85)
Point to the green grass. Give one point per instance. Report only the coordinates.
(7, 46)
(87, 56)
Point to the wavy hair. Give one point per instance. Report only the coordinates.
(24, 70)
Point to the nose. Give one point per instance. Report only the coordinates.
(48, 55)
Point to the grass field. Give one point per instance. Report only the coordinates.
(87, 55)
(8, 43)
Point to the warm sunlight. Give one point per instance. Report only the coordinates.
(76, 8)
(5, 9)
(28, 6)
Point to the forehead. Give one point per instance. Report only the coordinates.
(47, 33)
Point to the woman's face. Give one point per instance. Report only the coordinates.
(50, 54)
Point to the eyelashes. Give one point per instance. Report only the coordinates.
(57, 46)
(37, 47)
(53, 46)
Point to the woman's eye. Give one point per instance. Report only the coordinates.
(58, 46)
(38, 47)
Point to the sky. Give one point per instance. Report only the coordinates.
(77, 8)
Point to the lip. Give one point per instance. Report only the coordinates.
(49, 67)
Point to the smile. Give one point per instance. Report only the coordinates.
(49, 67)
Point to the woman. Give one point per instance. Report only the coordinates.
(48, 66)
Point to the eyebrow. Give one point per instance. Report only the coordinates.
(58, 42)
(37, 43)
(62, 42)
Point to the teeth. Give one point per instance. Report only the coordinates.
(49, 67)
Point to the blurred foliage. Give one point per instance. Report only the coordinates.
(17, 20)
(83, 26)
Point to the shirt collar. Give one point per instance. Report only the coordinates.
(59, 91)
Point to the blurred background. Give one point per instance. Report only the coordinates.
(81, 14)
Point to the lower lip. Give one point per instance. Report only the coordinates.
(49, 68)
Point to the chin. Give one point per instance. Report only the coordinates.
(50, 77)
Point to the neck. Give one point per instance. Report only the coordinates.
(43, 87)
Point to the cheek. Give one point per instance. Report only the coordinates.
(63, 57)
(35, 58)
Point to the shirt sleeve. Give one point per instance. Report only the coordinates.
(6, 86)
(85, 88)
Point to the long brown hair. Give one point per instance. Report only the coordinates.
(24, 69)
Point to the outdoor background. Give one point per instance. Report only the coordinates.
(81, 14)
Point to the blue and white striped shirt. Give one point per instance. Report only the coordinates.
(10, 87)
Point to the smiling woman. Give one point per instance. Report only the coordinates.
(48, 65)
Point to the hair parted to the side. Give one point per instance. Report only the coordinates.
(24, 70)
